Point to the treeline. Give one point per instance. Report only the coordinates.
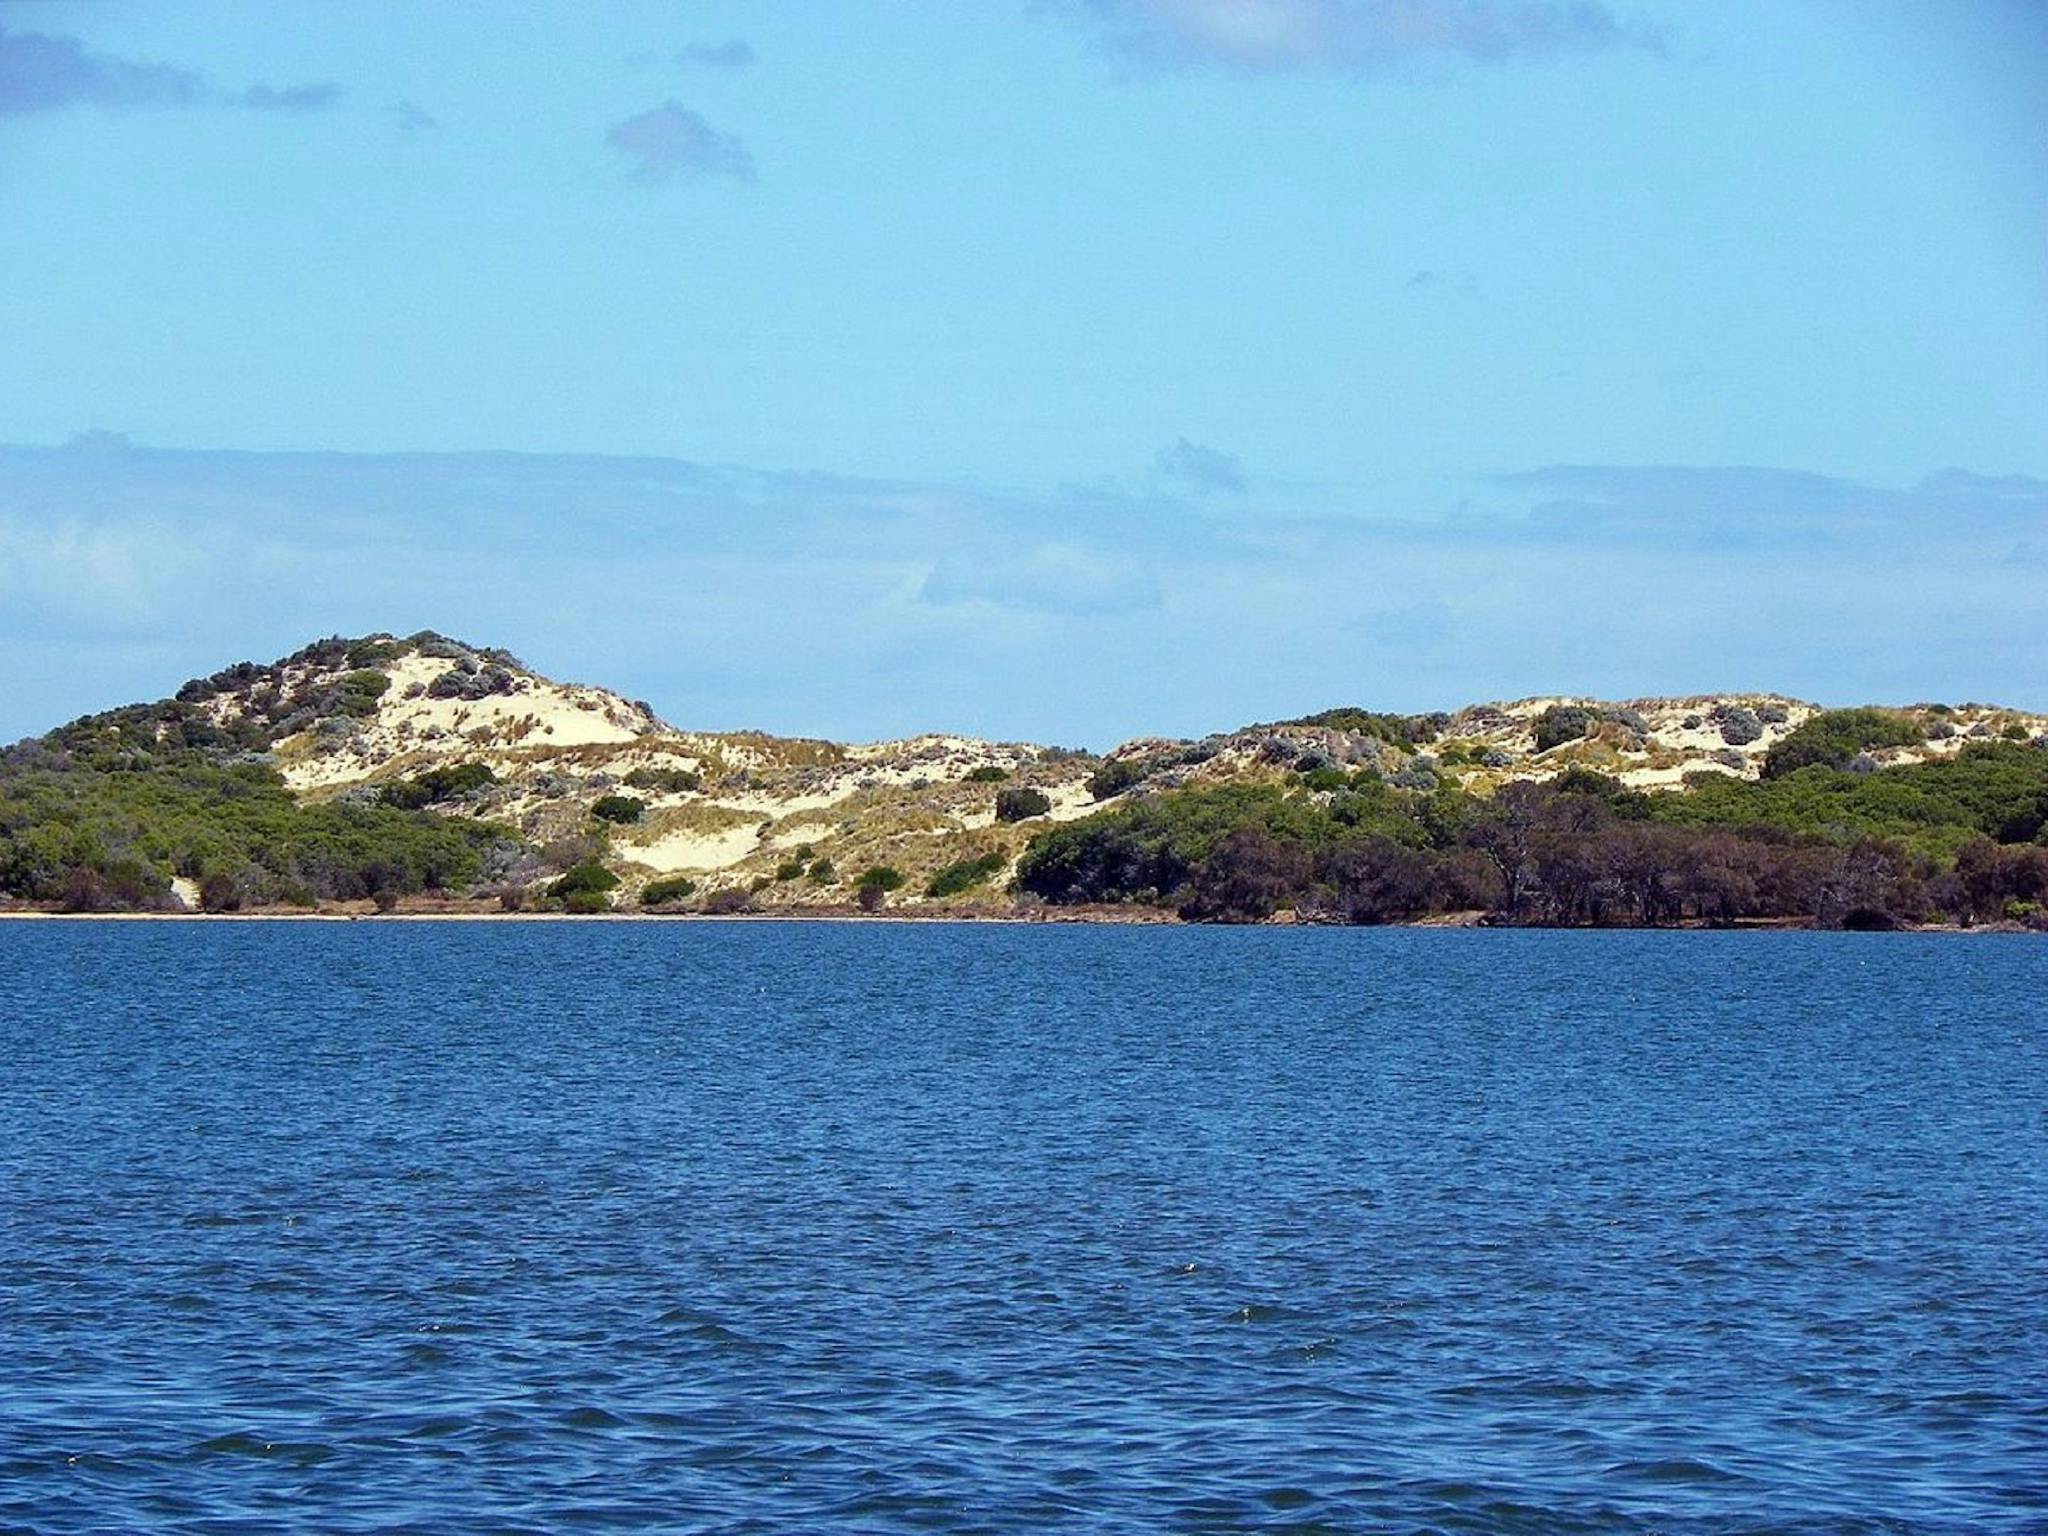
(1959, 839)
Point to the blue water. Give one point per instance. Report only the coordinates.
(606, 1227)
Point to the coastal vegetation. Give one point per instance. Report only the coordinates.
(1959, 838)
(382, 771)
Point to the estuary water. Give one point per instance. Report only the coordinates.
(520, 1227)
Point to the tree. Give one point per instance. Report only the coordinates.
(1246, 879)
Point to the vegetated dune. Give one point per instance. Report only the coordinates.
(581, 775)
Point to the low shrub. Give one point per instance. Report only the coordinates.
(988, 773)
(1562, 723)
(666, 781)
(585, 879)
(1116, 776)
(1739, 726)
(358, 692)
(965, 874)
(438, 784)
(671, 888)
(880, 877)
(623, 810)
(1021, 804)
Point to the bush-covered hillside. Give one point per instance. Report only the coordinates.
(377, 769)
(94, 839)
(1961, 838)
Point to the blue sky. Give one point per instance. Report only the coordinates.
(1059, 368)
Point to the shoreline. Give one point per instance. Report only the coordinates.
(1075, 917)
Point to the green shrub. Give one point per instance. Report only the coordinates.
(822, 872)
(988, 773)
(584, 879)
(674, 888)
(790, 869)
(438, 784)
(1113, 778)
(1021, 804)
(668, 781)
(1562, 723)
(365, 654)
(621, 809)
(585, 903)
(2014, 732)
(965, 874)
(358, 693)
(880, 877)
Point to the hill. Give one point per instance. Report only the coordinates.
(380, 769)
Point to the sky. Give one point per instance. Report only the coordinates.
(1063, 370)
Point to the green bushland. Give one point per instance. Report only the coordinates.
(965, 874)
(880, 877)
(102, 813)
(987, 773)
(673, 888)
(623, 810)
(1958, 837)
(113, 840)
(1834, 738)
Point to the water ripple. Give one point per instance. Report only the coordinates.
(871, 1229)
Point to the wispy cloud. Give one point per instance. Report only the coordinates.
(671, 143)
(415, 121)
(1056, 578)
(1199, 467)
(735, 54)
(1272, 35)
(124, 569)
(45, 72)
(294, 98)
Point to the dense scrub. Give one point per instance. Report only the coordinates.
(113, 840)
(1959, 838)
(1835, 738)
